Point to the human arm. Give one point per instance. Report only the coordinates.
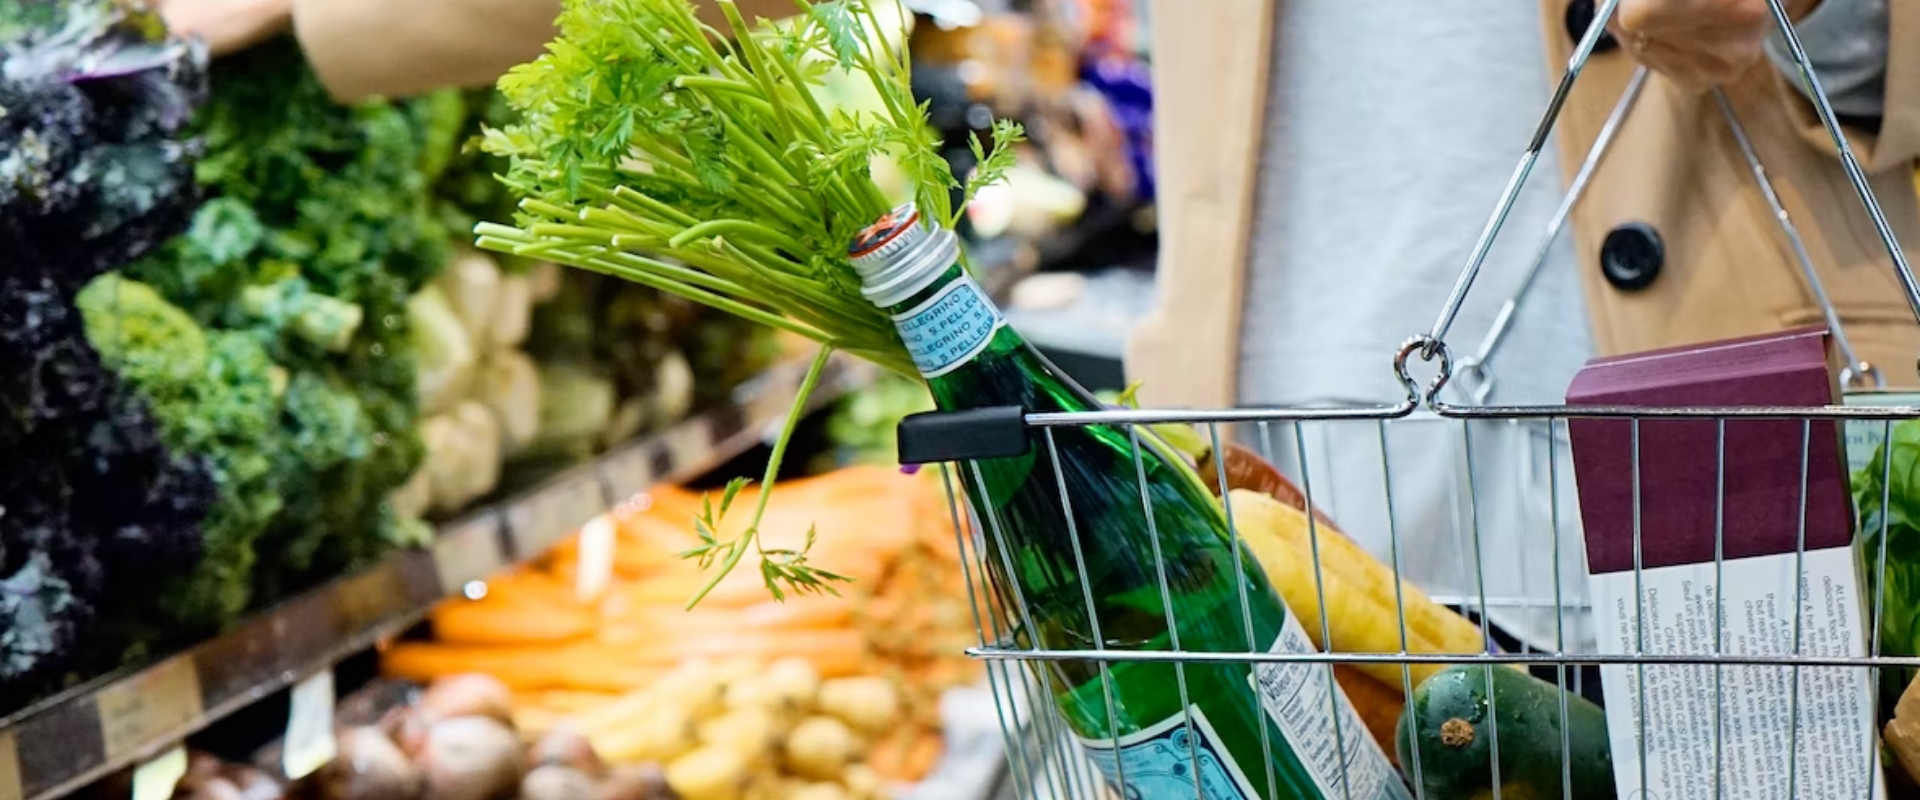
(1864, 78)
(367, 48)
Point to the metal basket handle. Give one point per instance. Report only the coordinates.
(1431, 346)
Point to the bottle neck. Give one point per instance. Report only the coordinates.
(970, 356)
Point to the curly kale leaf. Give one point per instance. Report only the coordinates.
(213, 394)
(338, 194)
(93, 172)
(97, 509)
(322, 222)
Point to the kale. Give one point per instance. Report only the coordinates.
(321, 223)
(94, 172)
(213, 394)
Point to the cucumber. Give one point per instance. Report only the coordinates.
(1447, 716)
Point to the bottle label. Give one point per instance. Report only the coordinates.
(1303, 700)
(949, 328)
(1164, 760)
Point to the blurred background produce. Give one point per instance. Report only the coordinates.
(274, 359)
(592, 643)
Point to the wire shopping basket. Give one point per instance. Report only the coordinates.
(1722, 675)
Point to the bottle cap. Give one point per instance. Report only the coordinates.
(899, 254)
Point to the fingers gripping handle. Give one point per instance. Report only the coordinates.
(1432, 344)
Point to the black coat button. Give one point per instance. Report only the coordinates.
(1631, 256)
(1579, 17)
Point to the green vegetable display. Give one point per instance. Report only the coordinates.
(94, 171)
(213, 394)
(321, 223)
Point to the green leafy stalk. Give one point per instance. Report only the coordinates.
(650, 148)
(777, 567)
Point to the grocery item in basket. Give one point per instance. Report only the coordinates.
(1683, 515)
(1104, 540)
(1548, 741)
(1364, 603)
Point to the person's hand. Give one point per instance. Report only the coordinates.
(227, 25)
(1699, 43)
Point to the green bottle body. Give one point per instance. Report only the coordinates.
(1065, 526)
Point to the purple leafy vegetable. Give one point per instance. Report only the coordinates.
(94, 509)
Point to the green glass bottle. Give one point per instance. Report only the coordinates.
(1275, 731)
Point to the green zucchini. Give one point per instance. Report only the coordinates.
(1448, 718)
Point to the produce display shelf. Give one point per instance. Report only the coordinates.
(68, 741)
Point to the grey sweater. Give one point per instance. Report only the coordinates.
(1391, 129)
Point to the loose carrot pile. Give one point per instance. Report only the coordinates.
(904, 618)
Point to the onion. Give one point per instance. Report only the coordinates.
(556, 782)
(368, 766)
(407, 727)
(216, 789)
(468, 695)
(472, 758)
(565, 746)
(256, 784)
(635, 782)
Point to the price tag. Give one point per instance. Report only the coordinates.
(468, 552)
(140, 710)
(370, 597)
(11, 786)
(629, 471)
(1863, 437)
(689, 445)
(595, 568)
(309, 743)
(541, 521)
(156, 779)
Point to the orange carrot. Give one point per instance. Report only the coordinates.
(509, 621)
(585, 667)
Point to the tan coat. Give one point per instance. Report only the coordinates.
(393, 48)
(1727, 270)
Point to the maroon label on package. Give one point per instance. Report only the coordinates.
(1751, 485)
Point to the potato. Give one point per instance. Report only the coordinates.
(709, 773)
(658, 735)
(794, 679)
(757, 693)
(871, 704)
(754, 731)
(821, 791)
(863, 783)
(819, 748)
(694, 684)
(770, 786)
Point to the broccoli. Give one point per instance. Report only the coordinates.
(213, 394)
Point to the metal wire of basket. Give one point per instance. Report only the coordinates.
(1712, 675)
